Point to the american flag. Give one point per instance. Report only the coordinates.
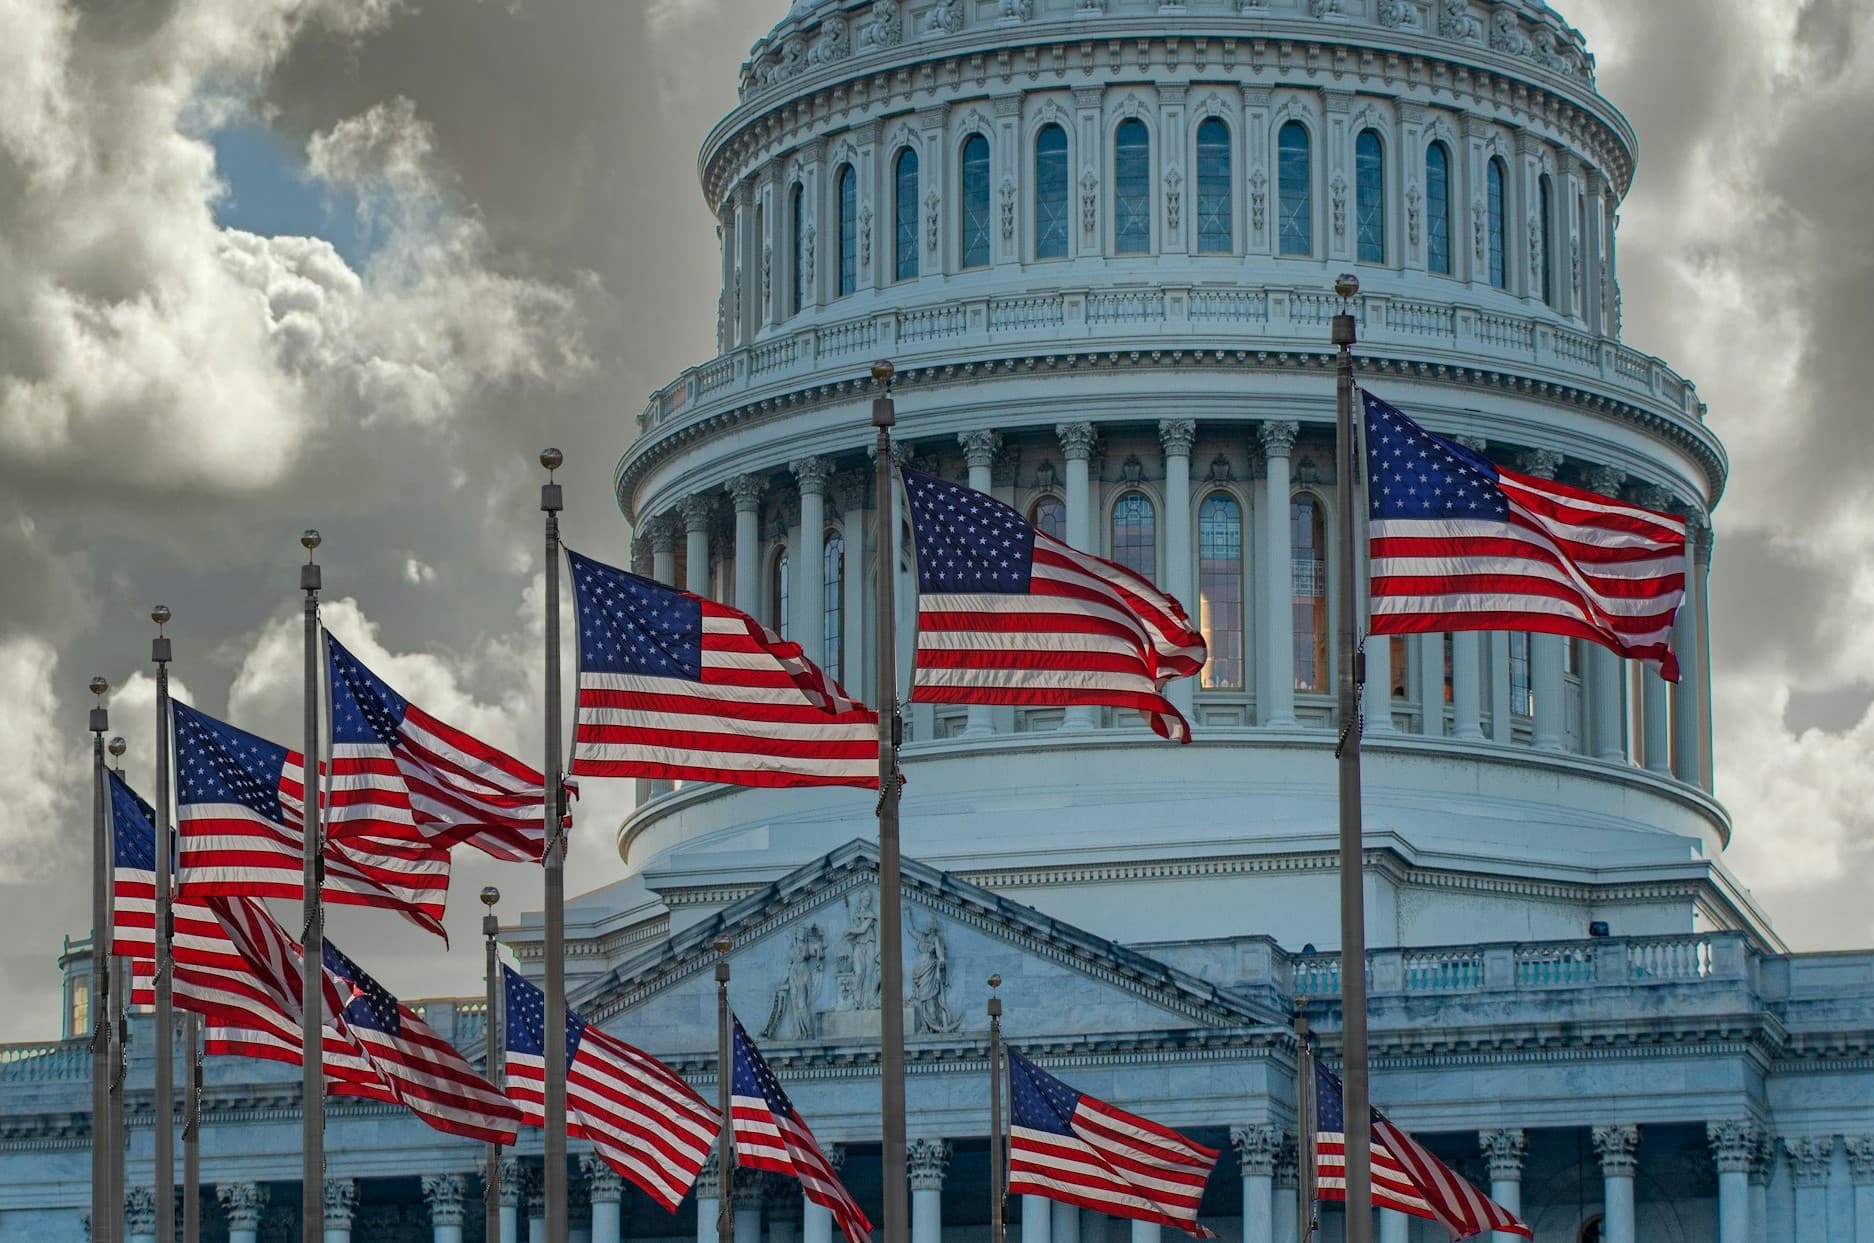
(1406, 1178)
(397, 771)
(133, 888)
(1067, 1146)
(769, 1135)
(642, 1118)
(1010, 615)
(675, 686)
(241, 822)
(1458, 543)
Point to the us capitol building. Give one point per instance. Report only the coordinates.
(1098, 239)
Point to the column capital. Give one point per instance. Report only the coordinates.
(1734, 1145)
(1287, 1165)
(1503, 1152)
(1277, 437)
(979, 448)
(1651, 496)
(242, 1203)
(835, 1155)
(781, 1198)
(1603, 479)
(1762, 1157)
(1860, 1158)
(927, 1159)
(1619, 1147)
(812, 472)
(1476, 444)
(533, 1191)
(751, 1191)
(512, 1183)
(697, 509)
(709, 1179)
(1257, 1148)
(745, 492)
(140, 1210)
(662, 529)
(603, 1185)
(852, 490)
(1076, 440)
(1542, 463)
(1809, 1158)
(341, 1201)
(444, 1193)
(1177, 435)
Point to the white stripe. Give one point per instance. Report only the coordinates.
(802, 731)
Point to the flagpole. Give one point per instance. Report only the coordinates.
(890, 932)
(491, 1173)
(164, 1172)
(1358, 1110)
(1306, 1171)
(312, 976)
(998, 1218)
(120, 1041)
(554, 1148)
(192, 1129)
(103, 1150)
(725, 1101)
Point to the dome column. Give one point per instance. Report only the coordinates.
(1604, 667)
(852, 492)
(979, 452)
(1177, 436)
(697, 512)
(662, 528)
(1077, 449)
(809, 603)
(1276, 678)
(1655, 710)
(745, 496)
(1688, 643)
(1545, 650)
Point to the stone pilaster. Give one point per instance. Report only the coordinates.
(812, 474)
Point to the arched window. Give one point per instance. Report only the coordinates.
(777, 595)
(1295, 190)
(1135, 535)
(80, 1017)
(1049, 516)
(1438, 209)
(846, 188)
(1051, 219)
(1132, 189)
(1220, 588)
(1576, 262)
(833, 601)
(1308, 553)
(1545, 226)
(1369, 198)
(1522, 697)
(1214, 235)
(975, 214)
(1494, 214)
(904, 216)
(797, 212)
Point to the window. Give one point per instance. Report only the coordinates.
(1369, 198)
(904, 216)
(846, 189)
(797, 210)
(1051, 193)
(1135, 536)
(1220, 589)
(1545, 226)
(1400, 668)
(81, 1006)
(777, 595)
(1522, 698)
(1132, 189)
(1579, 242)
(1438, 209)
(1308, 556)
(760, 294)
(975, 217)
(1049, 516)
(833, 601)
(1213, 188)
(1295, 190)
(1495, 209)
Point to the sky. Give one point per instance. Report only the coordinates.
(350, 264)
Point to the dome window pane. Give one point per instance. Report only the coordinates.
(1494, 210)
(1295, 190)
(1051, 193)
(1438, 209)
(1220, 590)
(797, 211)
(904, 216)
(1132, 189)
(1369, 189)
(976, 202)
(846, 188)
(1308, 600)
(833, 602)
(1214, 234)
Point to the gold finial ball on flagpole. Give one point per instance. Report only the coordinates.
(490, 895)
(117, 746)
(723, 945)
(310, 539)
(995, 981)
(551, 459)
(883, 371)
(1346, 285)
(160, 615)
(100, 686)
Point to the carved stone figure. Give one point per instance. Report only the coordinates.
(865, 236)
(1413, 198)
(1174, 199)
(1551, 54)
(1326, 8)
(792, 1016)
(806, 258)
(1089, 201)
(1017, 10)
(1253, 6)
(932, 204)
(1455, 21)
(1536, 257)
(1008, 210)
(834, 42)
(945, 18)
(1337, 197)
(1477, 226)
(885, 27)
(930, 980)
(1507, 36)
(861, 951)
(1258, 194)
(1399, 15)
(767, 271)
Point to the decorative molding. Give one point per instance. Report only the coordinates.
(1809, 1158)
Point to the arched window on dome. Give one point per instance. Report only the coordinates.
(778, 592)
(1494, 215)
(1214, 215)
(1438, 209)
(1135, 535)
(846, 190)
(1049, 516)
(1294, 190)
(974, 252)
(797, 214)
(1545, 225)
(1051, 219)
(833, 603)
(1369, 198)
(1132, 188)
(1308, 597)
(904, 216)
(1220, 589)
(1522, 694)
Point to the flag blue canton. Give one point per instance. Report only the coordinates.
(364, 708)
(1329, 1110)
(1037, 1100)
(1412, 473)
(525, 1012)
(133, 830)
(966, 541)
(630, 624)
(369, 1006)
(217, 763)
(753, 1078)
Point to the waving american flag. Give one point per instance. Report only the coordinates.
(770, 1135)
(133, 887)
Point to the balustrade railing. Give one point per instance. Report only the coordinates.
(1545, 966)
(1443, 970)
(1594, 963)
(45, 1061)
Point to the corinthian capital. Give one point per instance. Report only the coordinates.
(927, 1159)
(1619, 1148)
(444, 1194)
(1541, 463)
(745, 492)
(662, 528)
(1257, 1147)
(341, 1201)
(1277, 437)
(1809, 1159)
(1733, 1145)
(1603, 479)
(1177, 435)
(1076, 440)
(979, 448)
(813, 472)
(1503, 1152)
(603, 1185)
(242, 1203)
(697, 509)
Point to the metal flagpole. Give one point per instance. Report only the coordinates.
(120, 1048)
(192, 1129)
(164, 1173)
(1358, 1119)
(725, 1101)
(103, 1149)
(554, 1152)
(890, 930)
(312, 976)
(998, 1199)
(1306, 1171)
(491, 1173)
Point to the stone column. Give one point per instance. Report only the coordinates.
(817, 1222)
(1653, 691)
(139, 1215)
(513, 1188)
(1275, 682)
(1065, 1227)
(1605, 707)
(1144, 1232)
(1545, 650)
(1037, 1219)
(1286, 1192)
(1429, 651)
(1179, 577)
(809, 570)
(1077, 450)
(927, 1159)
(578, 1211)
(1618, 1147)
(341, 1201)
(852, 490)
(1256, 1150)
(781, 1206)
(745, 494)
(444, 1194)
(1503, 1153)
(708, 1201)
(1688, 734)
(697, 510)
(1809, 1159)
(241, 1203)
(1394, 1227)
(606, 1190)
(662, 528)
(747, 1198)
(1762, 1157)
(1733, 1148)
(1861, 1172)
(979, 451)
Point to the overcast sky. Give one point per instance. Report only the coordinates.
(269, 264)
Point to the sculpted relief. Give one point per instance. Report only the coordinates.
(799, 1008)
